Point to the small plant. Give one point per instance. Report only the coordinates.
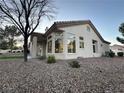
(74, 64)
(51, 59)
(120, 54)
(111, 53)
(106, 54)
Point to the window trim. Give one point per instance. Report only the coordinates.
(95, 46)
(72, 38)
(49, 39)
(60, 36)
(81, 40)
(48, 46)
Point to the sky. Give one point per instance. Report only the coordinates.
(106, 15)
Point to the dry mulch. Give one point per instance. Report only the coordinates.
(96, 75)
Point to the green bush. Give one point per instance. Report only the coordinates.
(51, 59)
(74, 64)
(120, 54)
(111, 54)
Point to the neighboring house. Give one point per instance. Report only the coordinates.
(4, 51)
(117, 48)
(69, 40)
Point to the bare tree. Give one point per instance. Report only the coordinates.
(26, 15)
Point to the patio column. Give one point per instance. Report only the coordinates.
(44, 48)
(34, 47)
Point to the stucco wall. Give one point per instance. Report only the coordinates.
(78, 31)
(88, 36)
(33, 47)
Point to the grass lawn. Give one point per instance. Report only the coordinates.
(11, 56)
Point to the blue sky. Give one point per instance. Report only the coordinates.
(106, 15)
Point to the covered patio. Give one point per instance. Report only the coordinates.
(37, 45)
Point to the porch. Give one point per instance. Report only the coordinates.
(37, 45)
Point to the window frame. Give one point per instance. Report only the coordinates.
(72, 40)
(49, 49)
(49, 39)
(95, 46)
(59, 36)
(81, 40)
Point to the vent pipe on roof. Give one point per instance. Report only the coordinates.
(46, 29)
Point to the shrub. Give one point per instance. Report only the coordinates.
(106, 54)
(111, 54)
(120, 54)
(74, 64)
(51, 59)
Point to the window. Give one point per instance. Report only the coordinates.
(71, 43)
(88, 28)
(95, 46)
(49, 37)
(81, 42)
(58, 43)
(120, 49)
(49, 46)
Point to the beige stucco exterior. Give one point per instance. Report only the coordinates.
(78, 31)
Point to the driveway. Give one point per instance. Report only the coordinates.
(96, 75)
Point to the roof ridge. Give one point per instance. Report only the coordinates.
(37, 33)
(71, 21)
(60, 24)
(117, 45)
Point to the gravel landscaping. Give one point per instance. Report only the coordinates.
(95, 75)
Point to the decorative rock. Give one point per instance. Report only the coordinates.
(96, 75)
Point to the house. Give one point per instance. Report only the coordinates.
(117, 48)
(69, 40)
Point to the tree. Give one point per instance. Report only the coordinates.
(1, 34)
(10, 33)
(7, 36)
(26, 15)
(4, 45)
(121, 30)
(3, 42)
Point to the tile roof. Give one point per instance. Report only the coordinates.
(60, 24)
(79, 22)
(115, 45)
(39, 35)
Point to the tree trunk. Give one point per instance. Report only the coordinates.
(25, 48)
